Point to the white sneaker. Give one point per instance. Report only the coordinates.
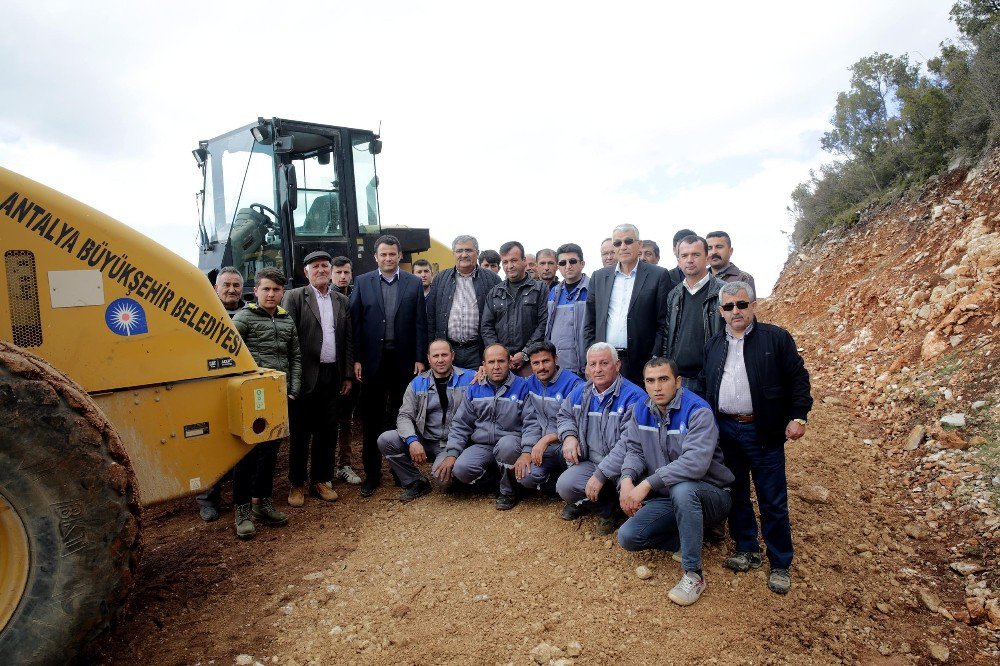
(688, 589)
(348, 475)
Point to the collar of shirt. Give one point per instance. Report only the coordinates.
(395, 276)
(601, 395)
(473, 274)
(729, 332)
(320, 294)
(619, 271)
(701, 283)
(554, 379)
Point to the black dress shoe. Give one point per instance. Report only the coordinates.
(369, 487)
(415, 490)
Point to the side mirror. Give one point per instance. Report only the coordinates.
(375, 146)
(288, 185)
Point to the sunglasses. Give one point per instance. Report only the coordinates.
(740, 305)
(627, 241)
(571, 262)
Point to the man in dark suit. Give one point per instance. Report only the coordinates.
(626, 305)
(390, 333)
(323, 321)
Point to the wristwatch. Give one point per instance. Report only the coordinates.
(524, 357)
(801, 422)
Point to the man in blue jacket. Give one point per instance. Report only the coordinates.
(673, 480)
(536, 460)
(591, 421)
(568, 310)
(489, 418)
(390, 345)
(429, 404)
(759, 388)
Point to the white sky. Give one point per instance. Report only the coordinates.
(544, 122)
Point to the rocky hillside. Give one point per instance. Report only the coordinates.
(897, 318)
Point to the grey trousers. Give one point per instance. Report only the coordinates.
(538, 477)
(476, 466)
(397, 454)
(572, 485)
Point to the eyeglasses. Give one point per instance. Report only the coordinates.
(571, 262)
(627, 241)
(739, 305)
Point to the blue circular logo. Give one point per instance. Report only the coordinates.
(124, 316)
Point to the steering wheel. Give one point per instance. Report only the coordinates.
(260, 208)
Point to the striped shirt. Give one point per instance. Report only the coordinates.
(734, 393)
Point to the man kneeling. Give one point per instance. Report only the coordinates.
(488, 418)
(672, 442)
(429, 404)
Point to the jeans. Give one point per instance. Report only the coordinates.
(766, 466)
(666, 522)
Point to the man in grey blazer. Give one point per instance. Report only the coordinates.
(323, 320)
(626, 304)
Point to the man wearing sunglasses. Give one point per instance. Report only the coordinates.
(626, 304)
(758, 387)
(568, 310)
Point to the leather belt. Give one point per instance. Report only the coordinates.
(467, 343)
(739, 418)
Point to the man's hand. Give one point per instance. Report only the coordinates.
(291, 397)
(571, 449)
(417, 453)
(522, 466)
(418, 367)
(357, 370)
(593, 488)
(631, 497)
(480, 377)
(345, 387)
(794, 430)
(516, 361)
(541, 446)
(443, 471)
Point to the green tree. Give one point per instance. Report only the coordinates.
(866, 123)
(973, 16)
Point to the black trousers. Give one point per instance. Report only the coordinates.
(468, 355)
(381, 396)
(314, 420)
(254, 475)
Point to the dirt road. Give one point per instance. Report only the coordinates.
(451, 580)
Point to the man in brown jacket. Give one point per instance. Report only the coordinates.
(323, 322)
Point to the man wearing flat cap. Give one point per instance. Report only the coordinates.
(323, 321)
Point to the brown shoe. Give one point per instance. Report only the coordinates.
(324, 492)
(296, 496)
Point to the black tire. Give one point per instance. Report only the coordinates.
(65, 473)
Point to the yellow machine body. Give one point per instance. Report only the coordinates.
(141, 330)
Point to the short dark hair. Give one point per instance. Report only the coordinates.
(681, 235)
(546, 250)
(658, 361)
(423, 262)
(270, 273)
(444, 340)
(570, 248)
(489, 257)
(388, 239)
(694, 238)
(341, 261)
(510, 245)
(720, 234)
(542, 347)
(652, 244)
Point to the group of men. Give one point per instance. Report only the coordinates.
(649, 397)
